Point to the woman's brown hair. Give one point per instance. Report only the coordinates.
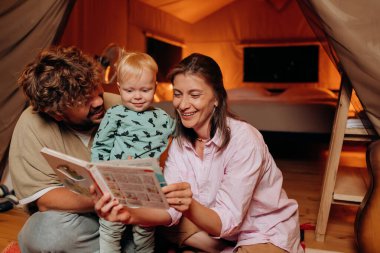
(206, 68)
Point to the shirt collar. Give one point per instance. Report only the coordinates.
(216, 140)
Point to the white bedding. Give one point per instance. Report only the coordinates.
(294, 94)
(296, 110)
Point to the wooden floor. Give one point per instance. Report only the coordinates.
(302, 163)
(10, 223)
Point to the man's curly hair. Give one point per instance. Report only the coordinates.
(60, 78)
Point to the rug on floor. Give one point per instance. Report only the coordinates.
(12, 247)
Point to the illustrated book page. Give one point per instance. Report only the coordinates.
(135, 183)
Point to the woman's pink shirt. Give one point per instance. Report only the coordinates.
(242, 184)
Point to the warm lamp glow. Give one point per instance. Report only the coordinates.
(164, 92)
(156, 99)
(106, 75)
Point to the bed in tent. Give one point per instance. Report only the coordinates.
(296, 110)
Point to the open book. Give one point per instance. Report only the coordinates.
(135, 183)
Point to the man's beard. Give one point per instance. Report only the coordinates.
(84, 126)
(90, 122)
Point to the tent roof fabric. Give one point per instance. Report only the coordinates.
(184, 9)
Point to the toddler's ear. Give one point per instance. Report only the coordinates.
(118, 87)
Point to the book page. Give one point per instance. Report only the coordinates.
(133, 186)
(141, 162)
(136, 183)
(72, 172)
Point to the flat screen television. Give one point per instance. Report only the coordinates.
(281, 64)
(165, 54)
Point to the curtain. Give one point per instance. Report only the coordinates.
(94, 24)
(26, 26)
(351, 28)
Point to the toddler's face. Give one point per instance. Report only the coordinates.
(137, 93)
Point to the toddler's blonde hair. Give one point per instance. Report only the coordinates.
(132, 64)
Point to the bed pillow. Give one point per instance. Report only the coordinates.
(308, 94)
(247, 93)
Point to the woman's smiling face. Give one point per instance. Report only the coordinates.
(194, 101)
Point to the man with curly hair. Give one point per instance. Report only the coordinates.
(67, 104)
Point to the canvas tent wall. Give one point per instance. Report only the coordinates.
(221, 34)
(351, 29)
(25, 28)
